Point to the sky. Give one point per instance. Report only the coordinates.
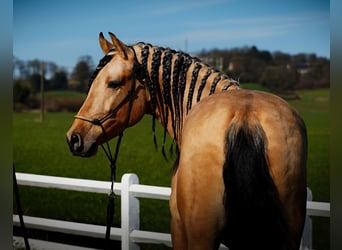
(61, 31)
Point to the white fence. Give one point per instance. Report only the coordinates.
(130, 191)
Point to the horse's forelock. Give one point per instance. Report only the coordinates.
(103, 62)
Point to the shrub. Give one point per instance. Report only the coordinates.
(21, 91)
(279, 78)
(63, 104)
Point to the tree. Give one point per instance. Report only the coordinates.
(50, 68)
(281, 58)
(21, 91)
(279, 78)
(317, 74)
(20, 69)
(33, 66)
(35, 80)
(82, 72)
(59, 81)
(299, 59)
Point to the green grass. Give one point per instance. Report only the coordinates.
(314, 108)
(41, 148)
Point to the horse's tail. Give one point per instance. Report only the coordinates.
(254, 216)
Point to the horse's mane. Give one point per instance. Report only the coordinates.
(169, 85)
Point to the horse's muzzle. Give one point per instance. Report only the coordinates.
(76, 146)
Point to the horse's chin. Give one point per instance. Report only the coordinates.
(92, 150)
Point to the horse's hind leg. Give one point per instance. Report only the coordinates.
(197, 197)
(177, 226)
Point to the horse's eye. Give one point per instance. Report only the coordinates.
(114, 84)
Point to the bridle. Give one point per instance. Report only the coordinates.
(99, 122)
(128, 97)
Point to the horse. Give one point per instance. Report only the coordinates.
(240, 175)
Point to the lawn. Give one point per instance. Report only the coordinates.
(41, 148)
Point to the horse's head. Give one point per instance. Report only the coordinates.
(116, 99)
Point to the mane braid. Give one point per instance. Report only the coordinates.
(195, 72)
(213, 85)
(181, 87)
(166, 90)
(203, 83)
(156, 62)
(155, 67)
(166, 76)
(175, 79)
(145, 51)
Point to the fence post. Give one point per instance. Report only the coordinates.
(307, 233)
(129, 212)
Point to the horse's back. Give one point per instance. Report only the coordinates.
(199, 181)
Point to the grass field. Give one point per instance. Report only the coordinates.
(41, 148)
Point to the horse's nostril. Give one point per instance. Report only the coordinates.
(75, 143)
(74, 139)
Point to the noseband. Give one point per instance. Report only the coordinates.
(99, 122)
(104, 118)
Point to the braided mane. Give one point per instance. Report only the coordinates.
(165, 72)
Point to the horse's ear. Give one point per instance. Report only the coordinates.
(118, 45)
(104, 44)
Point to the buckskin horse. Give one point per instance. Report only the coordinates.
(240, 176)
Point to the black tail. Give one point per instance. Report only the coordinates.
(254, 217)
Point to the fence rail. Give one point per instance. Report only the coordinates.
(130, 191)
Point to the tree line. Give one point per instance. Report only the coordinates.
(27, 77)
(278, 71)
(55, 77)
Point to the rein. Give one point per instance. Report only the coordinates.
(99, 122)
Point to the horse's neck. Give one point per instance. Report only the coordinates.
(177, 82)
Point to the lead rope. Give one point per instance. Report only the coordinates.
(111, 196)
